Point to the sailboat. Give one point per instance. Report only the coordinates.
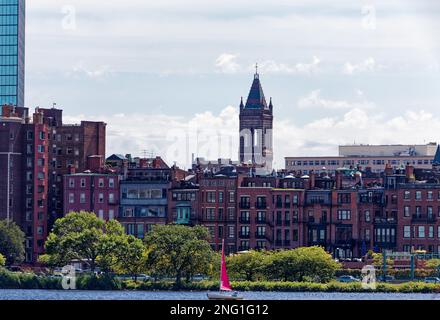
(225, 292)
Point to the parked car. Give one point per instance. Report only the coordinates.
(139, 277)
(432, 280)
(387, 279)
(347, 279)
(199, 277)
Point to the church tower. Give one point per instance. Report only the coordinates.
(256, 119)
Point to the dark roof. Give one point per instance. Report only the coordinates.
(256, 99)
(437, 156)
(114, 157)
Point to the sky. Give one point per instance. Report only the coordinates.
(167, 76)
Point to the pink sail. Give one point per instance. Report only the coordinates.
(224, 279)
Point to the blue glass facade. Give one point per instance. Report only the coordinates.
(12, 52)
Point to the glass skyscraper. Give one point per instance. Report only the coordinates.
(12, 52)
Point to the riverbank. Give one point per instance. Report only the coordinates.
(201, 296)
(12, 280)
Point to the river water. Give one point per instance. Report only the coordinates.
(159, 295)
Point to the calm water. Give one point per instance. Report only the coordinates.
(137, 295)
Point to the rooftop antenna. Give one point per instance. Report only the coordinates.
(256, 70)
(147, 154)
(54, 105)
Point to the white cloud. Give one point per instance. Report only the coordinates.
(368, 65)
(214, 136)
(314, 100)
(227, 63)
(80, 69)
(271, 66)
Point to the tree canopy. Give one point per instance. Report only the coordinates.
(179, 251)
(83, 236)
(11, 242)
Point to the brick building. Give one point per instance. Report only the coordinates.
(373, 156)
(144, 195)
(70, 146)
(92, 192)
(23, 182)
(35, 153)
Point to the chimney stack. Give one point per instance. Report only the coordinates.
(409, 171)
(338, 180)
(312, 179)
(388, 170)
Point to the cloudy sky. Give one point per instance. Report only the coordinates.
(167, 76)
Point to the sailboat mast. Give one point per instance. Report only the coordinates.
(221, 263)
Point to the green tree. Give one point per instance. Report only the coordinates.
(11, 242)
(247, 265)
(378, 260)
(83, 236)
(131, 257)
(302, 264)
(2, 260)
(177, 251)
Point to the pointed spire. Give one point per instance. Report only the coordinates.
(256, 99)
(241, 104)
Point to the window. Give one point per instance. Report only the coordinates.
(128, 212)
(231, 196)
(367, 235)
(101, 183)
(421, 233)
(111, 214)
(101, 214)
(71, 183)
(83, 183)
(406, 212)
(295, 199)
(101, 198)
(429, 195)
(82, 198)
(367, 216)
(220, 197)
(406, 195)
(295, 235)
(407, 231)
(210, 214)
(431, 232)
(111, 198)
(71, 198)
(231, 232)
(40, 230)
(344, 214)
(111, 183)
(231, 213)
(210, 197)
(418, 195)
